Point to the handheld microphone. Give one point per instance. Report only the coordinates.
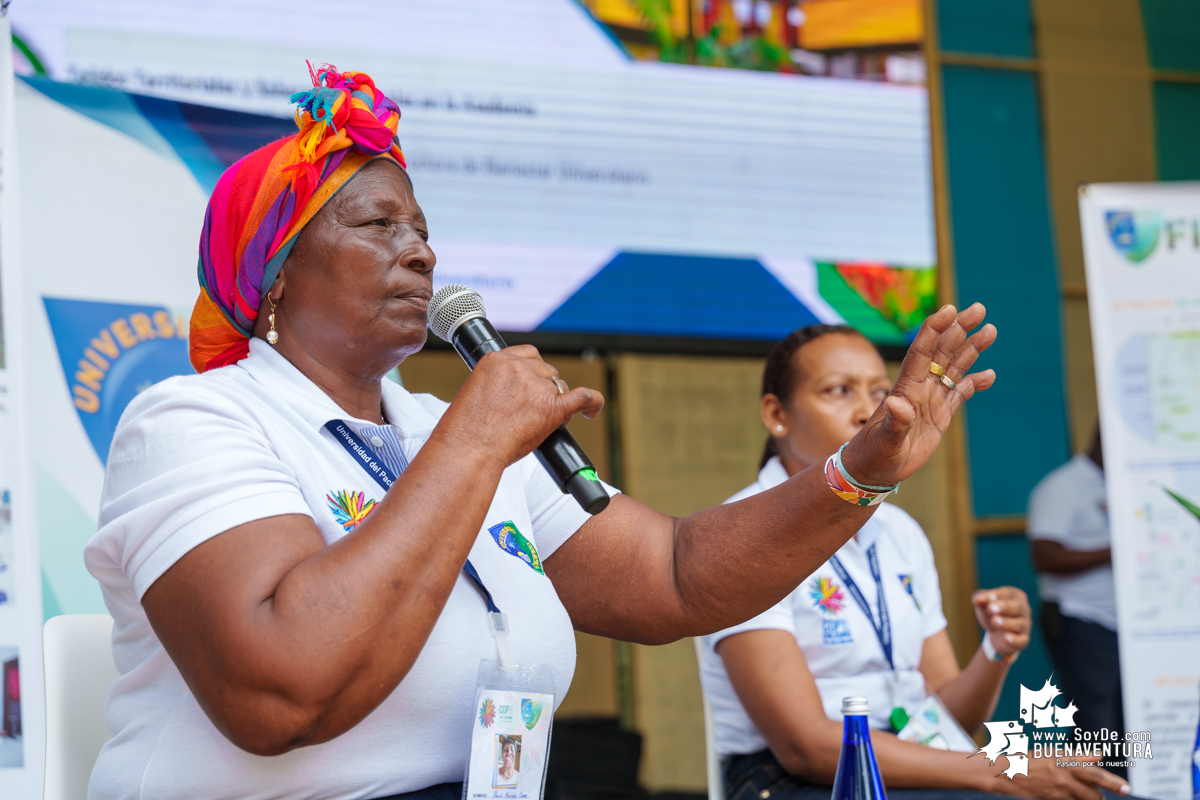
(457, 315)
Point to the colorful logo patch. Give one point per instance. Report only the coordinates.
(487, 713)
(826, 595)
(512, 542)
(908, 587)
(349, 508)
(1134, 233)
(531, 712)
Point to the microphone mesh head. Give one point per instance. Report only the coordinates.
(451, 306)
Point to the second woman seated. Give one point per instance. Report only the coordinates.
(868, 622)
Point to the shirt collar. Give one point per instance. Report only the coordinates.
(293, 389)
(772, 474)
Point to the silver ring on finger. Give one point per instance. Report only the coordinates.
(945, 381)
(558, 384)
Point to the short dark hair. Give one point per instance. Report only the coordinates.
(780, 376)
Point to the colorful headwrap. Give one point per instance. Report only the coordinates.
(262, 202)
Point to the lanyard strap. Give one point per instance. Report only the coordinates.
(374, 466)
(883, 631)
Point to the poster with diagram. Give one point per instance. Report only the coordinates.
(1142, 252)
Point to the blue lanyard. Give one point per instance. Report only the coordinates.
(374, 466)
(883, 631)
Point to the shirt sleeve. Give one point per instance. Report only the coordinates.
(1050, 511)
(779, 617)
(186, 464)
(555, 515)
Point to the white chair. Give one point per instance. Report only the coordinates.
(77, 653)
(716, 780)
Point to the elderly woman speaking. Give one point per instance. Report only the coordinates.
(285, 627)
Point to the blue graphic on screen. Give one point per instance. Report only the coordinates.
(671, 295)
(110, 352)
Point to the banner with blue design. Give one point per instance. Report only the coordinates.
(109, 353)
(1141, 248)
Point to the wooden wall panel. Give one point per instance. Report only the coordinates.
(1099, 124)
(690, 436)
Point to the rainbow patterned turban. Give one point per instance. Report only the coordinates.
(262, 202)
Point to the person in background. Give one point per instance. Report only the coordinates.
(1069, 536)
(775, 683)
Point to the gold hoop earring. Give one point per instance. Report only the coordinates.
(272, 335)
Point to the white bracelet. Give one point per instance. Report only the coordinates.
(990, 652)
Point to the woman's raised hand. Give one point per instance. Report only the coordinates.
(908, 425)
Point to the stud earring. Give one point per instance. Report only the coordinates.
(272, 335)
(779, 429)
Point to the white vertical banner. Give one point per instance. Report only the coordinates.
(1141, 247)
(22, 708)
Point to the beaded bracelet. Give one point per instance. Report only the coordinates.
(850, 490)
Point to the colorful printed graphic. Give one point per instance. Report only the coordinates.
(1134, 233)
(512, 542)
(906, 580)
(349, 508)
(110, 352)
(827, 595)
(487, 713)
(845, 39)
(531, 712)
(887, 303)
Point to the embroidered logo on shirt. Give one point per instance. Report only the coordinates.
(349, 508)
(908, 587)
(828, 597)
(512, 542)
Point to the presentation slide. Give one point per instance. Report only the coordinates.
(576, 187)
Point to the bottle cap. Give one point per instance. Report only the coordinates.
(854, 706)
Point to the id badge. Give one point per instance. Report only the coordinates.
(510, 732)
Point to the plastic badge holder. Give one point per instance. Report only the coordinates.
(934, 726)
(510, 732)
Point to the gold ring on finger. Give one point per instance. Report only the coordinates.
(949, 384)
(937, 369)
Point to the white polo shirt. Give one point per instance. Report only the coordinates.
(837, 638)
(1069, 506)
(195, 456)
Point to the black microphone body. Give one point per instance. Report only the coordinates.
(560, 454)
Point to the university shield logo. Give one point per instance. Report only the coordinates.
(531, 712)
(514, 543)
(1134, 233)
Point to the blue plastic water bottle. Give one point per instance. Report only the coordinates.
(857, 775)
(1196, 766)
